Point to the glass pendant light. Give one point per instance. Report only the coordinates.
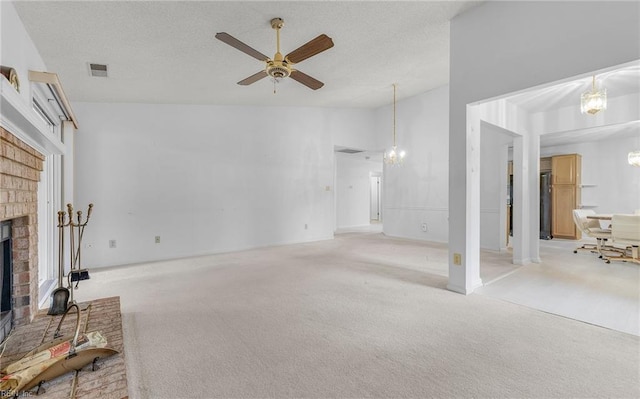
(394, 156)
(594, 100)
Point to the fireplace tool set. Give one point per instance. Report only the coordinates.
(62, 296)
(64, 353)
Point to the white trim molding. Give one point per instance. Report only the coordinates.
(21, 120)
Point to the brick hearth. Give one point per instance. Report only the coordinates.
(108, 382)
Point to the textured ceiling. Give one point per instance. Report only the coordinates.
(166, 52)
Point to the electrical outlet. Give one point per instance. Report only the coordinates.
(424, 227)
(112, 243)
(457, 259)
(157, 239)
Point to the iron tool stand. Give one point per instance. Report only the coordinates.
(76, 273)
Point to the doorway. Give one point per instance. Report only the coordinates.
(358, 190)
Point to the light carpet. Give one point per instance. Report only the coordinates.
(340, 319)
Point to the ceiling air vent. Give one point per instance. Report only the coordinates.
(98, 70)
(349, 151)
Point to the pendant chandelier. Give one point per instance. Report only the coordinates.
(394, 156)
(593, 100)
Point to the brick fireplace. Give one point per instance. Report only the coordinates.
(20, 167)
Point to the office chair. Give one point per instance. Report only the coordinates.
(591, 228)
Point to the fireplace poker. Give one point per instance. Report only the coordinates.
(80, 274)
(76, 274)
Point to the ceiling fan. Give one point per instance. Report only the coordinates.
(281, 67)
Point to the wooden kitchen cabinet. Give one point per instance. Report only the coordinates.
(566, 169)
(566, 173)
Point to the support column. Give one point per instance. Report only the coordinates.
(526, 198)
(534, 196)
(465, 277)
(504, 192)
(520, 201)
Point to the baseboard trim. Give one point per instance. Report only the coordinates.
(465, 290)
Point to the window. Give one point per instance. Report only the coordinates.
(45, 105)
(49, 194)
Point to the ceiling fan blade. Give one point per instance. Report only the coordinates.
(306, 80)
(233, 42)
(253, 78)
(311, 48)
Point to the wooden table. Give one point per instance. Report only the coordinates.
(603, 216)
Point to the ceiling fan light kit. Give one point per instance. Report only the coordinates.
(280, 67)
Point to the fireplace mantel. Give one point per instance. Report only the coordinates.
(24, 123)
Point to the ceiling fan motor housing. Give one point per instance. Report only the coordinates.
(278, 70)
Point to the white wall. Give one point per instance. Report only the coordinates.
(353, 189)
(615, 183)
(352, 128)
(204, 178)
(17, 49)
(417, 192)
(503, 47)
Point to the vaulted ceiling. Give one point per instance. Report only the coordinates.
(166, 52)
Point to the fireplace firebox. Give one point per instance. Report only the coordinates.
(6, 280)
